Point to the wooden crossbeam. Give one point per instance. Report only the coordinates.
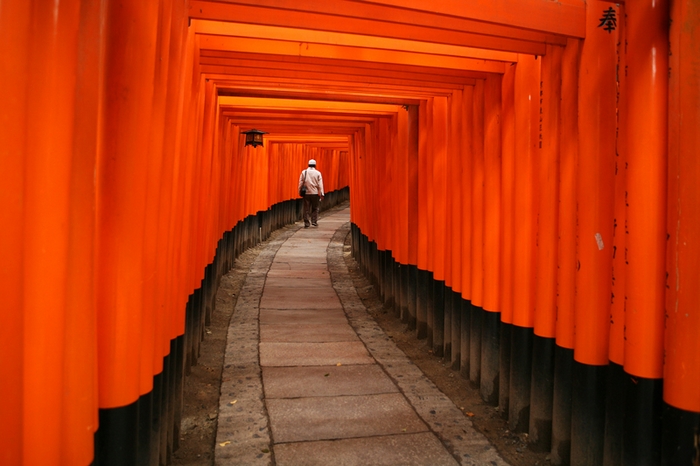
(525, 28)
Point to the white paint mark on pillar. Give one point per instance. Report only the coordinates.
(599, 240)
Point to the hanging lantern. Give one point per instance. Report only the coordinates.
(254, 137)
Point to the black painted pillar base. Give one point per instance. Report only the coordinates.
(490, 343)
(542, 394)
(391, 281)
(439, 318)
(396, 285)
(561, 406)
(614, 415)
(641, 440)
(465, 357)
(456, 330)
(116, 441)
(506, 331)
(476, 316)
(431, 309)
(588, 414)
(422, 294)
(447, 326)
(411, 297)
(680, 438)
(520, 378)
(403, 293)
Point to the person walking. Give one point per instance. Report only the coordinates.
(312, 182)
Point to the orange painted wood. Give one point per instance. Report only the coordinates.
(309, 37)
(439, 185)
(647, 143)
(422, 240)
(401, 172)
(620, 227)
(566, 17)
(341, 66)
(507, 193)
(548, 184)
(682, 338)
(375, 12)
(527, 85)
(467, 114)
(595, 190)
(477, 190)
(79, 387)
(51, 81)
(292, 48)
(447, 29)
(492, 194)
(15, 29)
(568, 160)
(455, 168)
(122, 177)
(429, 192)
(412, 163)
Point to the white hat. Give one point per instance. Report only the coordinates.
(312, 162)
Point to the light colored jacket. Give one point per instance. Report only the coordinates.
(314, 181)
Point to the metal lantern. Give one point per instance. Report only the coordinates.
(254, 137)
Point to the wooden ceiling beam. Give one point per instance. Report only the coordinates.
(561, 17)
(426, 23)
(320, 76)
(355, 64)
(336, 73)
(291, 48)
(231, 29)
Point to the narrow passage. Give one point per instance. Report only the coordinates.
(310, 378)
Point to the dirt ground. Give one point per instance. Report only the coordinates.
(202, 386)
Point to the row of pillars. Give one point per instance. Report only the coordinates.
(573, 410)
(559, 200)
(147, 432)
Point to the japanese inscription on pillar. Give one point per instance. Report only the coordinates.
(609, 20)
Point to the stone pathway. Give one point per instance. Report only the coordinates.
(310, 379)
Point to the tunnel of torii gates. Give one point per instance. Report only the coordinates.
(524, 182)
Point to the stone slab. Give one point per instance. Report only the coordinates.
(314, 354)
(297, 282)
(336, 417)
(307, 267)
(290, 259)
(310, 333)
(288, 273)
(300, 298)
(422, 449)
(298, 382)
(302, 316)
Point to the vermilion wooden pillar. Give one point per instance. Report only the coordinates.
(547, 251)
(595, 200)
(52, 176)
(507, 233)
(467, 116)
(490, 336)
(525, 203)
(121, 177)
(646, 131)
(566, 254)
(681, 422)
(617, 379)
(80, 388)
(15, 29)
(477, 235)
(439, 190)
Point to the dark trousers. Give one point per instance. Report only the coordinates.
(311, 202)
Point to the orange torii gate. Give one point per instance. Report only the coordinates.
(523, 180)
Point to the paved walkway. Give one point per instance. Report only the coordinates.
(310, 379)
